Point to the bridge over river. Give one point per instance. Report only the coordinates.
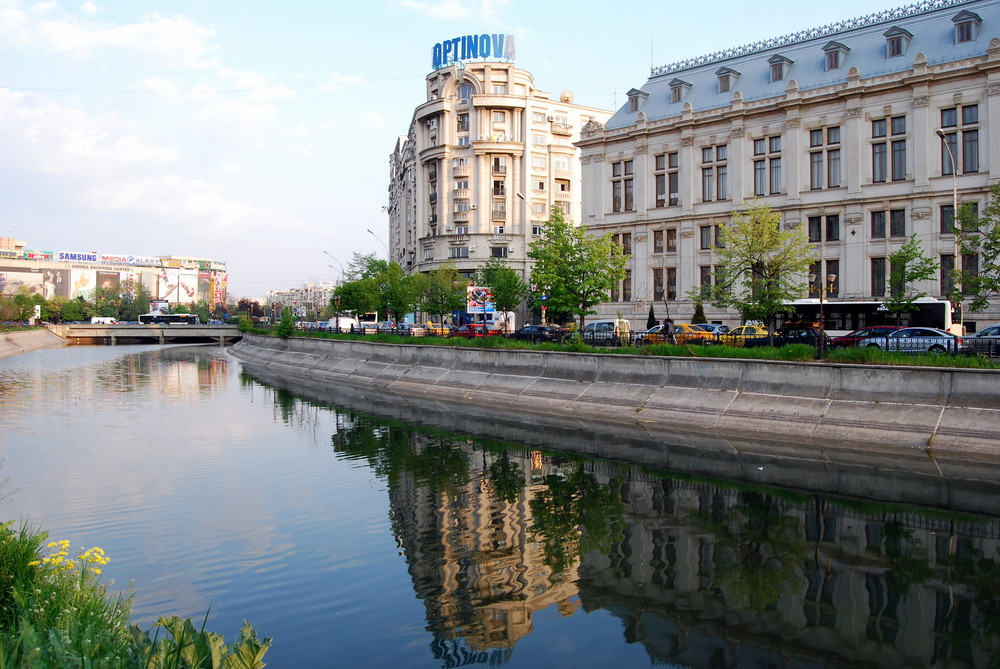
(135, 333)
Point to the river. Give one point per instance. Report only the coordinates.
(354, 539)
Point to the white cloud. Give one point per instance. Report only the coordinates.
(457, 10)
(89, 8)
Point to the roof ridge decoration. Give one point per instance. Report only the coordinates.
(884, 16)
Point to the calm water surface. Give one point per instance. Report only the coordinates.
(353, 541)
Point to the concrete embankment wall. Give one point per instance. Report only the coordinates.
(13, 343)
(943, 410)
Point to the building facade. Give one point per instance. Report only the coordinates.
(485, 159)
(72, 274)
(866, 131)
(308, 299)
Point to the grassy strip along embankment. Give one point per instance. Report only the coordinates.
(54, 612)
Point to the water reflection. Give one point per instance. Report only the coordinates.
(701, 572)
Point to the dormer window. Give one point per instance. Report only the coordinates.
(635, 99)
(966, 26)
(836, 54)
(678, 89)
(896, 41)
(779, 67)
(727, 79)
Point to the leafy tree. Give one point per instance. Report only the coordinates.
(441, 291)
(358, 297)
(286, 326)
(365, 266)
(396, 292)
(576, 270)
(760, 264)
(507, 286)
(73, 310)
(980, 236)
(906, 266)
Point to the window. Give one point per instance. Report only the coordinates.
(621, 186)
(715, 173)
(817, 228)
(459, 162)
(882, 167)
(948, 217)
(947, 279)
(896, 41)
(458, 252)
(627, 286)
(463, 123)
(878, 277)
(539, 140)
(462, 184)
(671, 283)
(960, 143)
(499, 117)
(767, 165)
(657, 241)
(727, 79)
(499, 188)
(462, 205)
(560, 162)
(878, 225)
(536, 230)
(500, 89)
(897, 223)
(705, 279)
(627, 243)
(538, 162)
(461, 229)
(672, 240)
(824, 160)
(538, 117)
(463, 140)
(966, 26)
(498, 229)
(678, 89)
(499, 164)
(779, 67)
(705, 236)
(464, 92)
(498, 251)
(538, 185)
(657, 284)
(666, 179)
(835, 55)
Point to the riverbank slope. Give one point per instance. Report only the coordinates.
(24, 341)
(934, 410)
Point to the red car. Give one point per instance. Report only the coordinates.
(471, 330)
(857, 338)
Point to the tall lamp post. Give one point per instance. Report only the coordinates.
(380, 242)
(954, 217)
(824, 287)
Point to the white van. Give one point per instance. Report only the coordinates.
(617, 332)
(344, 322)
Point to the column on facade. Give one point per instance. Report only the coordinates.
(792, 158)
(687, 238)
(924, 139)
(738, 166)
(993, 137)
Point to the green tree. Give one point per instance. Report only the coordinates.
(575, 270)
(395, 292)
(699, 312)
(979, 236)
(507, 286)
(357, 297)
(74, 310)
(441, 291)
(906, 266)
(760, 265)
(286, 326)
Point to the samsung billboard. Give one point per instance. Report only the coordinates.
(473, 47)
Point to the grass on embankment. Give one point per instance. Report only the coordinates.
(792, 353)
(54, 612)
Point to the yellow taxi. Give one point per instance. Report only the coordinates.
(436, 328)
(689, 333)
(739, 335)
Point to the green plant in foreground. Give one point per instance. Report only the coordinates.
(54, 612)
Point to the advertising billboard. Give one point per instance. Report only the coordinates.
(83, 283)
(178, 285)
(48, 283)
(479, 300)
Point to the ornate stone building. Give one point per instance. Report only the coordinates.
(866, 131)
(485, 158)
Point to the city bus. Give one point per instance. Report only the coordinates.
(168, 319)
(849, 315)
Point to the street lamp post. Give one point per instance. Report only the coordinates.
(954, 216)
(380, 242)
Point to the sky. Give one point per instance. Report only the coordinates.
(259, 133)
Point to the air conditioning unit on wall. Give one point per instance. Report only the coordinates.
(474, 206)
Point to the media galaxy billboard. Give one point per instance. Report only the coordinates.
(473, 47)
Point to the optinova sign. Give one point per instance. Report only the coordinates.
(471, 47)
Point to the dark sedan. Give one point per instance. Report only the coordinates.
(797, 334)
(540, 333)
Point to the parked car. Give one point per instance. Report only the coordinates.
(654, 335)
(739, 334)
(439, 329)
(401, 329)
(540, 333)
(918, 340)
(858, 337)
(985, 342)
(607, 332)
(473, 330)
(791, 333)
(689, 333)
(715, 328)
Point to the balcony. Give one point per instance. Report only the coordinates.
(564, 129)
(499, 169)
(433, 198)
(460, 215)
(499, 215)
(460, 171)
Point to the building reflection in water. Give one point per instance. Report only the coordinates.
(703, 573)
